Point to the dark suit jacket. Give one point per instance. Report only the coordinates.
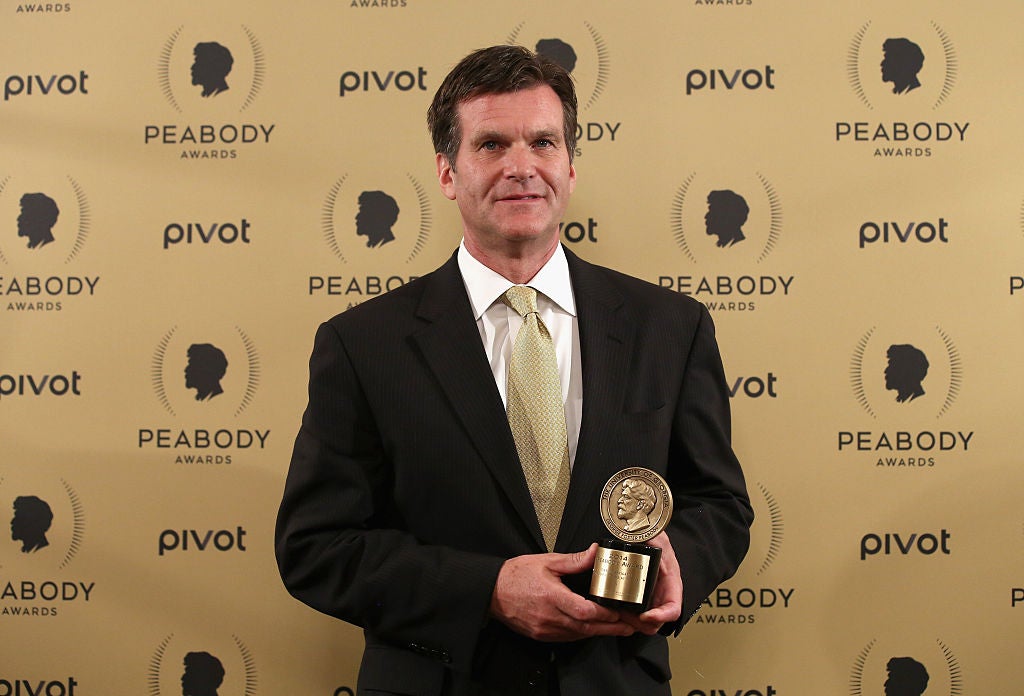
(405, 494)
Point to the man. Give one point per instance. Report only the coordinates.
(407, 511)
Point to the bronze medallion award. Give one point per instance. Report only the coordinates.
(636, 505)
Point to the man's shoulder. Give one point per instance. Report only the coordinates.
(389, 308)
(638, 293)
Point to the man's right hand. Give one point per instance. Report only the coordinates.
(530, 598)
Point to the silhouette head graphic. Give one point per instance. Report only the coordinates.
(901, 62)
(207, 365)
(203, 674)
(727, 212)
(635, 504)
(906, 370)
(558, 51)
(32, 519)
(377, 213)
(211, 67)
(906, 677)
(38, 216)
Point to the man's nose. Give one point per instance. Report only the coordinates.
(519, 163)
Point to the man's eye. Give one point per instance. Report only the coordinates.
(490, 145)
(544, 143)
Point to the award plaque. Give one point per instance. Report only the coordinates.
(636, 505)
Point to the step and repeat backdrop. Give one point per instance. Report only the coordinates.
(187, 190)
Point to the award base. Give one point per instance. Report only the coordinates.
(624, 575)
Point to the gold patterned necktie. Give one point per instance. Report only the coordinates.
(536, 414)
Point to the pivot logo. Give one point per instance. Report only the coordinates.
(47, 523)
(732, 221)
(374, 81)
(754, 387)
(196, 540)
(212, 233)
(44, 224)
(194, 665)
(906, 668)
(717, 78)
(38, 687)
(39, 385)
(42, 85)
(901, 233)
(887, 544)
(216, 71)
(580, 50)
(901, 68)
(767, 691)
(575, 232)
(908, 375)
(208, 373)
(747, 599)
(373, 220)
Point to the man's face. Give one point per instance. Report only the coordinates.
(628, 506)
(513, 178)
(887, 68)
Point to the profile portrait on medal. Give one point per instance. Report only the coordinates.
(727, 213)
(203, 674)
(907, 368)
(32, 519)
(902, 61)
(635, 504)
(211, 67)
(38, 215)
(207, 365)
(378, 212)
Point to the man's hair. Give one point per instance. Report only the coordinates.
(496, 70)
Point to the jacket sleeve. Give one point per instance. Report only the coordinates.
(710, 527)
(340, 545)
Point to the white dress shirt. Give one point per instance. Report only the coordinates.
(499, 324)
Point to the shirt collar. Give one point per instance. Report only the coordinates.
(484, 285)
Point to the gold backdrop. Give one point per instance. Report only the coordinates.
(889, 516)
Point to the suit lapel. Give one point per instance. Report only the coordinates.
(606, 342)
(450, 344)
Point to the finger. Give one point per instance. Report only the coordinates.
(570, 563)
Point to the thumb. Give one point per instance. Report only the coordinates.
(578, 562)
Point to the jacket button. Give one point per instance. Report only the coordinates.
(536, 678)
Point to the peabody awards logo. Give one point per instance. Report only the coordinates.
(581, 50)
(211, 76)
(903, 73)
(47, 528)
(205, 377)
(731, 223)
(908, 376)
(44, 225)
(202, 666)
(45, 8)
(1017, 593)
(739, 603)
(906, 668)
(1017, 281)
(373, 223)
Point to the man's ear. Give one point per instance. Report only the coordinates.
(445, 175)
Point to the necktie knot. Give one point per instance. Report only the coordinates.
(521, 298)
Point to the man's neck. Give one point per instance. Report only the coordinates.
(519, 264)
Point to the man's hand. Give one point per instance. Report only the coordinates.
(667, 602)
(529, 598)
